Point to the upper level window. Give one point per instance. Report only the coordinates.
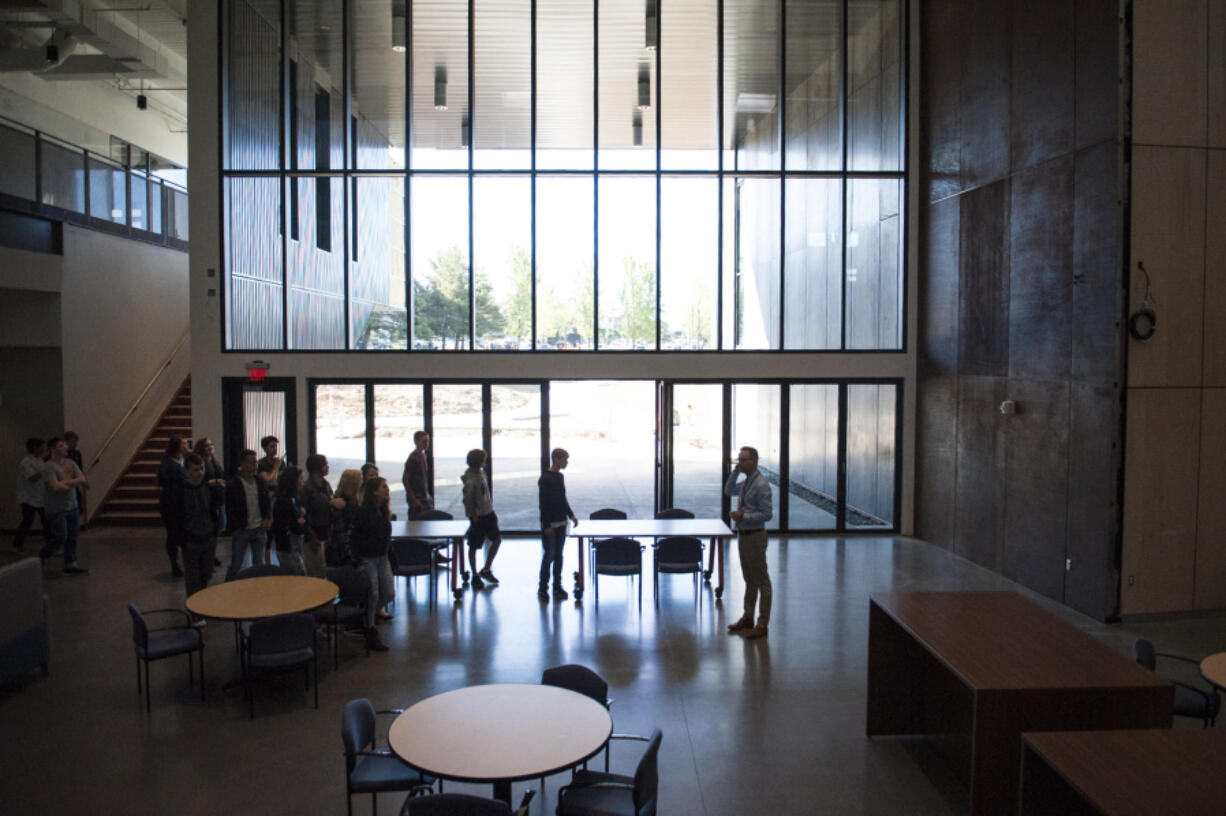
(441, 178)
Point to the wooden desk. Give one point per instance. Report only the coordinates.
(1124, 773)
(255, 598)
(976, 669)
(500, 733)
(454, 530)
(1213, 669)
(713, 529)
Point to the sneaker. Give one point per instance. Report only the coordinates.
(382, 615)
(488, 576)
(73, 569)
(478, 583)
(560, 594)
(542, 595)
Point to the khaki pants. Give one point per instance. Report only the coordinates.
(752, 549)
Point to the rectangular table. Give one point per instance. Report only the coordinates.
(1124, 773)
(976, 669)
(452, 530)
(713, 529)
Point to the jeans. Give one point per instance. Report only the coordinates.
(198, 554)
(62, 532)
(379, 573)
(553, 541)
(292, 558)
(28, 512)
(240, 542)
(174, 538)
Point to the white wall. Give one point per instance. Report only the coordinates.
(124, 310)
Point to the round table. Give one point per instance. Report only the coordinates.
(500, 733)
(1213, 669)
(254, 598)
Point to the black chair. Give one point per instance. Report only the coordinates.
(412, 557)
(617, 556)
(674, 513)
(369, 769)
(348, 608)
(461, 804)
(435, 515)
(280, 643)
(1190, 701)
(592, 792)
(163, 642)
(581, 680)
(607, 513)
(677, 555)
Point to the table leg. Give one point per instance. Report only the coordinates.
(579, 572)
(502, 790)
(706, 574)
(719, 546)
(456, 591)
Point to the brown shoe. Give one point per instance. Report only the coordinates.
(740, 626)
(758, 631)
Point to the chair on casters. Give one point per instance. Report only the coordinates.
(592, 792)
(581, 680)
(369, 769)
(461, 804)
(677, 555)
(617, 556)
(281, 642)
(674, 513)
(1190, 701)
(167, 641)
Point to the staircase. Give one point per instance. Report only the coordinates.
(133, 501)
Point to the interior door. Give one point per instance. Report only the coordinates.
(253, 410)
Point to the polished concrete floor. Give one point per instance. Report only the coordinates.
(768, 726)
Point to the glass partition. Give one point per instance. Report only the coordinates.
(340, 427)
(399, 413)
(17, 163)
(63, 177)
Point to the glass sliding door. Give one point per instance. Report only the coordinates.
(399, 413)
(698, 447)
(608, 427)
(515, 455)
(871, 433)
(457, 421)
(813, 457)
(340, 426)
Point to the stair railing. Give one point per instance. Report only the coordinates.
(161, 370)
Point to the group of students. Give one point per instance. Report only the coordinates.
(50, 487)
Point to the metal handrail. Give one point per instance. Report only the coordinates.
(161, 369)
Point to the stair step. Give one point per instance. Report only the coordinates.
(109, 519)
(132, 506)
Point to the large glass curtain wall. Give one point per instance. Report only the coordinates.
(639, 446)
(541, 174)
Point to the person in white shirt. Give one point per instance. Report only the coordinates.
(30, 492)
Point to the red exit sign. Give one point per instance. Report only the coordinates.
(257, 375)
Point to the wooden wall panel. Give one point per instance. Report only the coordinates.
(1042, 112)
(1215, 270)
(1169, 72)
(1168, 236)
(1097, 243)
(1041, 271)
(1211, 517)
(981, 489)
(1036, 472)
(1216, 72)
(983, 279)
(984, 35)
(1160, 498)
(1098, 70)
(940, 106)
(938, 297)
(1091, 583)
